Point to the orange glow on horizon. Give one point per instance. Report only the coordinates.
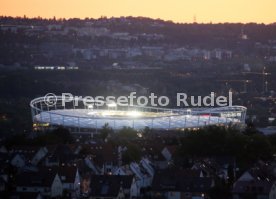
(176, 10)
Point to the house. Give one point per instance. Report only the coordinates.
(39, 155)
(45, 181)
(117, 53)
(123, 170)
(177, 54)
(255, 183)
(216, 166)
(23, 155)
(25, 195)
(110, 186)
(133, 52)
(143, 175)
(178, 183)
(143, 178)
(168, 152)
(102, 158)
(52, 49)
(59, 155)
(11, 28)
(153, 51)
(18, 161)
(147, 165)
(152, 151)
(137, 179)
(70, 178)
(75, 148)
(89, 31)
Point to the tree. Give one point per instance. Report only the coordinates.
(217, 141)
(250, 129)
(133, 153)
(146, 131)
(127, 132)
(105, 131)
(63, 135)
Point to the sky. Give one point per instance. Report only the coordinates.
(205, 11)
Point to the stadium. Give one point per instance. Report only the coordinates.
(81, 118)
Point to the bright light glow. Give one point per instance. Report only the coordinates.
(92, 113)
(112, 104)
(90, 106)
(106, 113)
(139, 135)
(134, 114)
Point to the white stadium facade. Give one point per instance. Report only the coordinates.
(90, 118)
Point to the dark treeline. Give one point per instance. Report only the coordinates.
(248, 146)
(179, 33)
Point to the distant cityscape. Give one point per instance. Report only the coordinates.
(116, 56)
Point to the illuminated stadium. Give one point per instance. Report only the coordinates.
(90, 118)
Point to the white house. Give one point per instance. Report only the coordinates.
(23, 155)
(45, 181)
(70, 178)
(168, 152)
(18, 161)
(39, 155)
(255, 182)
(144, 179)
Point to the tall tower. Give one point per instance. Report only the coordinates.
(194, 19)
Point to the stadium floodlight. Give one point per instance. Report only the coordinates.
(134, 114)
(90, 106)
(106, 113)
(112, 105)
(188, 112)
